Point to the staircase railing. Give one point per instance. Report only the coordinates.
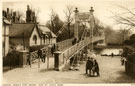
(67, 54)
(61, 45)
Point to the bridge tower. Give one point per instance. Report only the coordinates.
(76, 25)
(92, 24)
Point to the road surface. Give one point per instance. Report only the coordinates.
(111, 71)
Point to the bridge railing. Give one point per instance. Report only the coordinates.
(34, 55)
(67, 54)
(47, 50)
(61, 45)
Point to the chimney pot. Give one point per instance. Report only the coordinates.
(28, 8)
(7, 10)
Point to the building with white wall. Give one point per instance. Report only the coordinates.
(5, 36)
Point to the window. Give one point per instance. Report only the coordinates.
(35, 39)
(44, 38)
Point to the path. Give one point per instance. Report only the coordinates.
(110, 69)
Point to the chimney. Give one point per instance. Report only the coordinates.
(14, 17)
(8, 17)
(28, 14)
(7, 10)
(4, 13)
(28, 8)
(14, 13)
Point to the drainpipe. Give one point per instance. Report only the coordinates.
(4, 40)
(23, 41)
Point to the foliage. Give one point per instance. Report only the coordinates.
(54, 24)
(131, 57)
(37, 47)
(12, 59)
(126, 18)
(98, 28)
(130, 41)
(108, 30)
(69, 19)
(129, 50)
(132, 37)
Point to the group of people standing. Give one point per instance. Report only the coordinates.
(92, 67)
(41, 55)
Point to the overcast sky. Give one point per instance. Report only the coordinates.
(104, 9)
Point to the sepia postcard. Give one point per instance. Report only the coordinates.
(68, 42)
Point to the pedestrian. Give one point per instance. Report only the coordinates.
(54, 47)
(52, 50)
(44, 57)
(73, 42)
(122, 61)
(39, 53)
(96, 68)
(112, 54)
(89, 65)
(29, 59)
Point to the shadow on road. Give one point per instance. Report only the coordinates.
(47, 70)
(124, 78)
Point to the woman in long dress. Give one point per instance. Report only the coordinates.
(96, 68)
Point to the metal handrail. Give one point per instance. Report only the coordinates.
(77, 47)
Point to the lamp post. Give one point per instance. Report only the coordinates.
(76, 24)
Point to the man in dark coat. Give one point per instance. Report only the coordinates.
(96, 68)
(89, 65)
(122, 61)
(52, 50)
(29, 59)
(112, 54)
(44, 57)
(39, 53)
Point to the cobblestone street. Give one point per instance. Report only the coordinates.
(111, 71)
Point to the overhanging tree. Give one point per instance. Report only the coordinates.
(69, 19)
(54, 24)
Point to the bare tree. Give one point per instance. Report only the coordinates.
(124, 32)
(54, 24)
(36, 14)
(98, 28)
(52, 17)
(127, 18)
(69, 18)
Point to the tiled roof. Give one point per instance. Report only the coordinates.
(47, 31)
(17, 30)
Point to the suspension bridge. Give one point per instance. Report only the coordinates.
(66, 50)
(69, 55)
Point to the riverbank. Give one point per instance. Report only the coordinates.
(103, 47)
